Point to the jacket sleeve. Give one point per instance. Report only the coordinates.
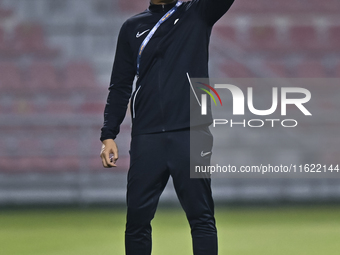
(123, 73)
(213, 10)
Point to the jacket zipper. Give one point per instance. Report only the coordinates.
(134, 102)
(160, 94)
(160, 76)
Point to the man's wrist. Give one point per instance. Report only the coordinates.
(106, 141)
(103, 138)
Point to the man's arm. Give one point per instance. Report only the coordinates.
(213, 10)
(123, 73)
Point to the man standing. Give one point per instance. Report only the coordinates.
(164, 46)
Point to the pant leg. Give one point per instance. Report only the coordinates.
(147, 178)
(194, 195)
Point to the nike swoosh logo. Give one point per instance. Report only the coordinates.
(176, 21)
(203, 154)
(140, 34)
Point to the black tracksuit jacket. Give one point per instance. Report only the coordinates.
(161, 100)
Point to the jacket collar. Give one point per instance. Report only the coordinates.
(161, 7)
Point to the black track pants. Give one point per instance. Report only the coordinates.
(154, 157)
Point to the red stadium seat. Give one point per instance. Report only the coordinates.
(64, 163)
(80, 75)
(6, 47)
(325, 6)
(56, 106)
(6, 164)
(43, 75)
(23, 164)
(3, 147)
(66, 145)
(311, 69)
(227, 32)
(247, 6)
(262, 38)
(337, 70)
(133, 6)
(236, 70)
(303, 38)
(39, 164)
(30, 39)
(277, 68)
(93, 107)
(2, 40)
(334, 37)
(10, 76)
(5, 13)
(28, 145)
(289, 6)
(280, 5)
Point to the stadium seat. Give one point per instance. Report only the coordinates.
(325, 6)
(5, 13)
(236, 70)
(301, 6)
(47, 104)
(3, 146)
(261, 38)
(334, 37)
(57, 106)
(45, 156)
(337, 70)
(226, 32)
(2, 40)
(246, 6)
(64, 163)
(6, 47)
(43, 75)
(93, 107)
(133, 6)
(79, 75)
(6, 164)
(285, 6)
(23, 105)
(30, 39)
(22, 164)
(303, 38)
(32, 164)
(66, 145)
(10, 76)
(311, 69)
(277, 68)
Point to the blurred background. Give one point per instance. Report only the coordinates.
(55, 62)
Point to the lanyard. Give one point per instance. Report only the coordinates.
(152, 32)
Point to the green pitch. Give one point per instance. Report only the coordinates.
(300, 231)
